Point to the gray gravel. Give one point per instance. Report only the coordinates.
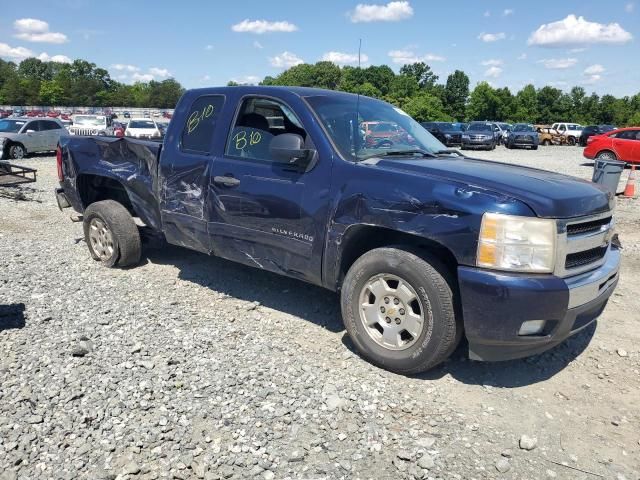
(194, 367)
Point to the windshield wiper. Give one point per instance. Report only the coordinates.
(399, 153)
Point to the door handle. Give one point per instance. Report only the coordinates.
(226, 181)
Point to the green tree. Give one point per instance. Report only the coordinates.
(51, 93)
(483, 103)
(425, 107)
(422, 73)
(456, 94)
(526, 105)
(548, 105)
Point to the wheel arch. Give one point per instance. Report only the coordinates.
(606, 150)
(359, 239)
(10, 143)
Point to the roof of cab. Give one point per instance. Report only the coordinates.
(270, 90)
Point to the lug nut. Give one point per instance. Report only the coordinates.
(386, 299)
(388, 320)
(397, 321)
(396, 301)
(382, 309)
(401, 311)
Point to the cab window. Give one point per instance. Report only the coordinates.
(258, 121)
(200, 124)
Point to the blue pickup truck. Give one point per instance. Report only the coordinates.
(423, 244)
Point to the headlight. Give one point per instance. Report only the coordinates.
(447, 135)
(520, 244)
(465, 136)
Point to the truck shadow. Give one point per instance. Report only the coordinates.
(322, 307)
(288, 295)
(513, 373)
(12, 316)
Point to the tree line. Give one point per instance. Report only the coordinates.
(80, 83)
(417, 91)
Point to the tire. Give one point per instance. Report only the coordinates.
(17, 151)
(508, 145)
(438, 334)
(111, 234)
(571, 141)
(535, 147)
(606, 155)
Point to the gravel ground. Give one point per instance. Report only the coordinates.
(194, 367)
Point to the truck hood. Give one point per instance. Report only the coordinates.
(548, 194)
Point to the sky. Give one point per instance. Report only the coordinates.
(593, 44)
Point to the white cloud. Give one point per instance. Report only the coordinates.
(159, 72)
(125, 68)
(257, 44)
(206, 78)
(44, 56)
(577, 50)
(578, 31)
(558, 83)
(14, 53)
(285, 60)
(142, 77)
(263, 26)
(558, 63)
(34, 30)
(507, 12)
(592, 79)
(493, 72)
(487, 13)
(342, 58)
(494, 62)
(247, 80)
(403, 57)
(492, 37)
(391, 12)
(208, 47)
(522, 56)
(629, 7)
(594, 69)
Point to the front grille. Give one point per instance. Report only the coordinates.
(455, 138)
(82, 131)
(587, 227)
(580, 259)
(477, 137)
(524, 138)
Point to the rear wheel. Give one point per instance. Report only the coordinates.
(606, 155)
(111, 234)
(398, 309)
(571, 141)
(546, 142)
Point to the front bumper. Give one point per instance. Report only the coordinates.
(496, 304)
(478, 143)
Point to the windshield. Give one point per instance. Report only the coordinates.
(450, 126)
(378, 128)
(480, 127)
(521, 127)
(142, 124)
(90, 120)
(11, 125)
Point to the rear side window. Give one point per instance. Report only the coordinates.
(200, 123)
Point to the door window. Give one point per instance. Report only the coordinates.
(197, 132)
(258, 121)
(32, 126)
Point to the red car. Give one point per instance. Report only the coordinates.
(622, 144)
(53, 114)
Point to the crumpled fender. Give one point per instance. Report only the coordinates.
(133, 163)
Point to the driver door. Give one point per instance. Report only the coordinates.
(33, 136)
(260, 205)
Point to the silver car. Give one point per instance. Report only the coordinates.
(22, 136)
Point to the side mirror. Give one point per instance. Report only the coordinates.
(288, 148)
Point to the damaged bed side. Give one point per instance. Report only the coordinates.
(99, 168)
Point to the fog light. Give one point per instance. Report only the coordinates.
(532, 327)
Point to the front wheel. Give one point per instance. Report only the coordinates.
(571, 141)
(398, 310)
(17, 151)
(111, 234)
